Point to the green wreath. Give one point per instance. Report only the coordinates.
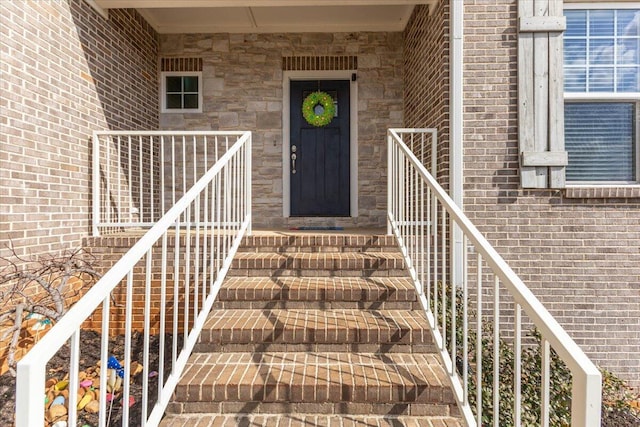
(309, 105)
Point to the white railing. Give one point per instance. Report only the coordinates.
(422, 217)
(166, 283)
(138, 175)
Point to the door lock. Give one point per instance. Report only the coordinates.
(294, 148)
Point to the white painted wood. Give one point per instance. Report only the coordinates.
(101, 11)
(545, 158)
(234, 18)
(531, 24)
(112, 4)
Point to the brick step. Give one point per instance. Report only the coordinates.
(239, 382)
(331, 264)
(318, 243)
(305, 420)
(329, 289)
(317, 330)
(317, 305)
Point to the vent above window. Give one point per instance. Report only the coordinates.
(319, 63)
(181, 64)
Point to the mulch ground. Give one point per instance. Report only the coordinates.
(89, 356)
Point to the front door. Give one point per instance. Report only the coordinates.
(319, 156)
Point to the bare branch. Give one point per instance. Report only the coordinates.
(43, 287)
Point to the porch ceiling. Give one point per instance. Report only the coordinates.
(270, 16)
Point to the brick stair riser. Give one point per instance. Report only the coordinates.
(318, 264)
(307, 420)
(307, 273)
(340, 408)
(317, 305)
(207, 347)
(318, 244)
(278, 292)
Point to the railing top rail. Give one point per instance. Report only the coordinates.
(396, 131)
(168, 133)
(559, 339)
(46, 347)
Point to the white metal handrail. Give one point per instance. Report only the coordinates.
(199, 235)
(138, 175)
(422, 217)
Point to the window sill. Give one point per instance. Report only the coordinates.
(602, 191)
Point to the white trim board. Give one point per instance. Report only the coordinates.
(287, 77)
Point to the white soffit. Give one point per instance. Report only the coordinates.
(270, 16)
(278, 19)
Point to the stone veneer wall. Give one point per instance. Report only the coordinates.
(580, 256)
(243, 77)
(66, 71)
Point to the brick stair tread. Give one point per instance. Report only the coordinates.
(317, 289)
(306, 420)
(316, 326)
(314, 377)
(325, 260)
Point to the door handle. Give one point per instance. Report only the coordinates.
(293, 163)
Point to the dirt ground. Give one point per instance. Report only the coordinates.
(89, 356)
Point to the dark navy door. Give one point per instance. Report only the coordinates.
(319, 156)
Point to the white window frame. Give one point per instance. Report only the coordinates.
(607, 96)
(163, 91)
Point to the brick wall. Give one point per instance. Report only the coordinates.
(243, 78)
(109, 249)
(66, 71)
(426, 79)
(580, 256)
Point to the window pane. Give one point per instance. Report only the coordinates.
(601, 79)
(599, 138)
(174, 101)
(601, 52)
(628, 22)
(174, 84)
(628, 51)
(576, 23)
(575, 79)
(191, 101)
(190, 83)
(575, 51)
(629, 79)
(601, 23)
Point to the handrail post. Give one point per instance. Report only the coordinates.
(95, 219)
(586, 388)
(249, 148)
(29, 394)
(389, 182)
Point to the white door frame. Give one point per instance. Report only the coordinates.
(288, 76)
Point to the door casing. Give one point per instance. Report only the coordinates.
(288, 76)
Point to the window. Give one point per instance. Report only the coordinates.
(181, 92)
(602, 94)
